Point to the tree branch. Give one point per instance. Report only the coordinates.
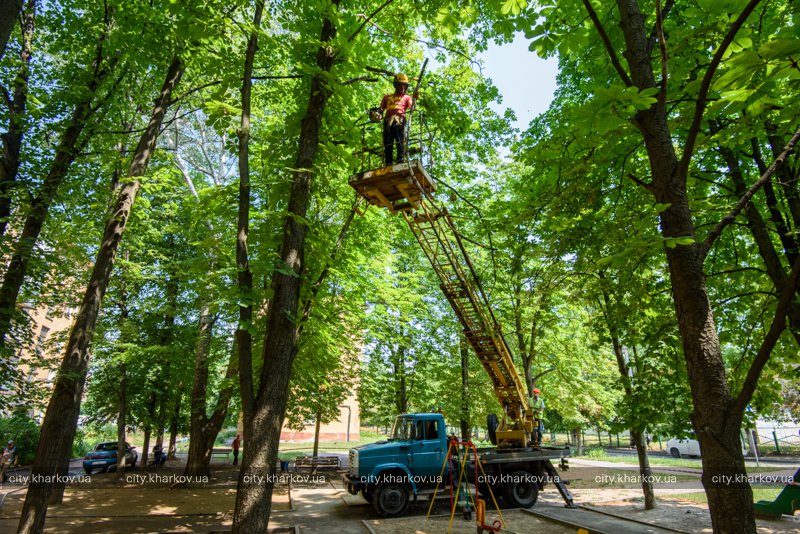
(770, 340)
(217, 82)
(181, 165)
(740, 205)
(540, 375)
(226, 391)
(360, 79)
(379, 71)
(662, 46)
(367, 19)
(429, 45)
(668, 5)
(638, 181)
(324, 274)
(7, 99)
(705, 86)
(607, 43)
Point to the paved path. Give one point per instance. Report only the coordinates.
(323, 508)
(595, 522)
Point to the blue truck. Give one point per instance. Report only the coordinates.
(391, 474)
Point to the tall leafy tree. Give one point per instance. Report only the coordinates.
(97, 72)
(638, 104)
(12, 139)
(265, 407)
(61, 418)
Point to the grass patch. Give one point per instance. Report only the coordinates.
(633, 460)
(622, 479)
(700, 497)
(656, 461)
(289, 451)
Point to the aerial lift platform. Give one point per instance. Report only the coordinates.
(407, 188)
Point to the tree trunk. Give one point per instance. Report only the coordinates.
(145, 446)
(162, 408)
(122, 399)
(198, 460)
(245, 276)
(173, 425)
(201, 440)
(401, 391)
(9, 11)
(122, 408)
(169, 323)
(40, 206)
(576, 440)
(465, 429)
(317, 425)
(751, 443)
(716, 425)
(148, 429)
(199, 457)
(254, 495)
(61, 418)
(637, 433)
(646, 473)
(12, 139)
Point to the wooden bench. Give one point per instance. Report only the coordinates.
(318, 462)
(222, 451)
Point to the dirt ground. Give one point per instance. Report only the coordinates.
(685, 515)
(515, 521)
(141, 502)
(147, 502)
(670, 513)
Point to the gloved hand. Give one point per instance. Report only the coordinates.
(375, 114)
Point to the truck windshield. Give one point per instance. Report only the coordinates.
(402, 428)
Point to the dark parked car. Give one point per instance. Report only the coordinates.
(104, 457)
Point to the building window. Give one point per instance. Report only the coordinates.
(42, 337)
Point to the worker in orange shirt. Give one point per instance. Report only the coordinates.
(394, 107)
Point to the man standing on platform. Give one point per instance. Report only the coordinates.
(395, 105)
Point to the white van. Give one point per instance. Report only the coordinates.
(689, 447)
(683, 447)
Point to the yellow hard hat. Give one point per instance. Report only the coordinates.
(401, 78)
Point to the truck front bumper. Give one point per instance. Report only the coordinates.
(353, 485)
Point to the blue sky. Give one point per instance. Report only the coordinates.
(526, 81)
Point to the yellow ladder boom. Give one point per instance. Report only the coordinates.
(407, 188)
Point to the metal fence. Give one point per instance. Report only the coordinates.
(775, 441)
(780, 441)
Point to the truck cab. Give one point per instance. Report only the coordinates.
(388, 473)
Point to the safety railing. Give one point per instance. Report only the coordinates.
(419, 141)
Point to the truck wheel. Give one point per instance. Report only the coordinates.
(674, 452)
(390, 499)
(521, 491)
(491, 425)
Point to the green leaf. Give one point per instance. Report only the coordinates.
(513, 7)
(672, 242)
